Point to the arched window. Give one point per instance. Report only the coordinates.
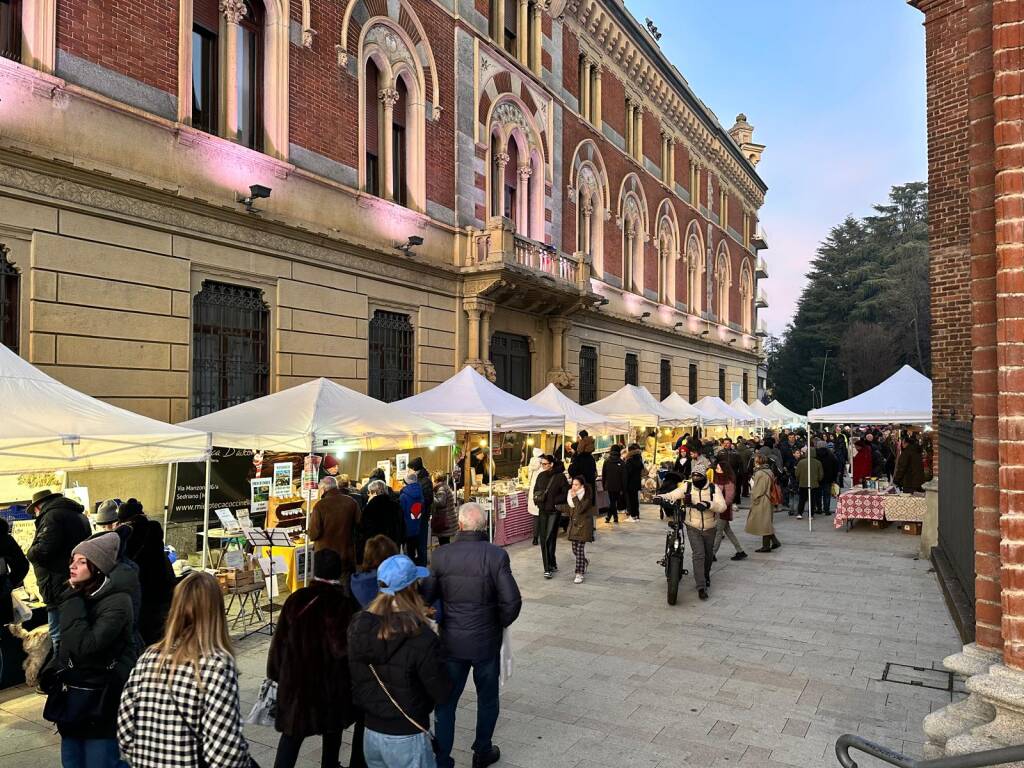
(392, 129)
(249, 75)
(695, 273)
(632, 247)
(723, 283)
(746, 298)
(516, 183)
(589, 180)
(668, 253)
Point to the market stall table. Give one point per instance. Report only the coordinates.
(514, 521)
(863, 504)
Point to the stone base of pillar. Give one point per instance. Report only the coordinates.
(484, 367)
(561, 378)
(1002, 689)
(962, 716)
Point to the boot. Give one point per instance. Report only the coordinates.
(775, 542)
(766, 544)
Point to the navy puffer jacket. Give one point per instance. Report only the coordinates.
(473, 580)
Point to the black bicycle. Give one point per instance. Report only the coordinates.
(675, 548)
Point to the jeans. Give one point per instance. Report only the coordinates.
(416, 546)
(702, 549)
(383, 750)
(288, 750)
(548, 535)
(825, 493)
(815, 501)
(615, 503)
(485, 678)
(90, 753)
(723, 529)
(633, 504)
(53, 619)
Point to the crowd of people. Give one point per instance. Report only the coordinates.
(143, 670)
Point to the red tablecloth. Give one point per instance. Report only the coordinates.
(859, 505)
(513, 521)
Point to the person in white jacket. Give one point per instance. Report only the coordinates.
(533, 469)
(703, 504)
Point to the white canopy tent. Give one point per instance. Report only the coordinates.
(903, 398)
(681, 408)
(319, 414)
(717, 412)
(770, 417)
(789, 418)
(48, 426)
(469, 402)
(578, 417)
(637, 406)
(751, 416)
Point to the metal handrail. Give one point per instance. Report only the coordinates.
(985, 759)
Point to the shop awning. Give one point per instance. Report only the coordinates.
(578, 417)
(717, 412)
(332, 417)
(468, 401)
(47, 426)
(903, 398)
(637, 406)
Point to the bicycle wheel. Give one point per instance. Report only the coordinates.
(675, 573)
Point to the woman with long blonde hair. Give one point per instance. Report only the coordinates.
(398, 675)
(180, 706)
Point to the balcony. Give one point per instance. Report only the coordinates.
(762, 329)
(522, 273)
(761, 273)
(762, 300)
(759, 240)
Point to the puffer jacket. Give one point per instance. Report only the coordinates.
(98, 643)
(409, 666)
(699, 519)
(634, 471)
(413, 508)
(612, 474)
(581, 516)
(473, 580)
(583, 463)
(60, 527)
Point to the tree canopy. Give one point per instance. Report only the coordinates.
(865, 309)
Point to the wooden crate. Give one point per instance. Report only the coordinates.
(233, 579)
(912, 528)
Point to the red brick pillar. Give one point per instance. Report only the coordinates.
(1008, 102)
(988, 609)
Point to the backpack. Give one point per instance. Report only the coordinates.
(775, 493)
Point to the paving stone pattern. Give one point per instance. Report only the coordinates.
(787, 655)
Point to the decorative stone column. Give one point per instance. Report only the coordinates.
(233, 11)
(557, 374)
(596, 96)
(588, 241)
(523, 32)
(630, 257)
(629, 126)
(523, 200)
(638, 135)
(388, 98)
(498, 202)
(478, 339)
(585, 88)
(537, 37)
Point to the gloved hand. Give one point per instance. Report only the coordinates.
(688, 499)
(702, 506)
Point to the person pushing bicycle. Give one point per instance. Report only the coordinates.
(702, 505)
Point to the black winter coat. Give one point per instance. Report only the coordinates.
(60, 527)
(309, 661)
(634, 472)
(13, 569)
(558, 488)
(829, 466)
(383, 515)
(145, 547)
(613, 476)
(479, 596)
(97, 631)
(583, 464)
(409, 666)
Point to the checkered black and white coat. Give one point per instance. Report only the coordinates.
(152, 733)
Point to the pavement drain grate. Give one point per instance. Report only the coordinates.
(921, 677)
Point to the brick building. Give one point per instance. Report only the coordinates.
(976, 180)
(528, 187)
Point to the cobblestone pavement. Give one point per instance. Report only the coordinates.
(787, 654)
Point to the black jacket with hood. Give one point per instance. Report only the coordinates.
(409, 666)
(13, 569)
(60, 527)
(426, 485)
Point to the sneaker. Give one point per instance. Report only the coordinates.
(702, 594)
(799, 517)
(714, 558)
(741, 555)
(547, 574)
(483, 759)
(578, 579)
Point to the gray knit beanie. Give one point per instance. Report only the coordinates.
(100, 550)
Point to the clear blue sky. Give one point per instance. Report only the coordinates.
(834, 88)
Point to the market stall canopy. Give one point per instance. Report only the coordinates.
(335, 417)
(578, 417)
(789, 418)
(717, 412)
(752, 417)
(48, 426)
(766, 413)
(637, 406)
(903, 398)
(468, 401)
(681, 408)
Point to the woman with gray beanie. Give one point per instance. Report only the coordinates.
(97, 651)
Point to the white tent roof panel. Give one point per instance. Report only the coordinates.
(578, 417)
(903, 398)
(637, 406)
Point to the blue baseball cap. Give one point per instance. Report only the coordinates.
(398, 572)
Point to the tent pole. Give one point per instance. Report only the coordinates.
(206, 503)
(359, 466)
(467, 470)
(810, 516)
(490, 480)
(167, 496)
(309, 509)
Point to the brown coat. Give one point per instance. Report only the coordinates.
(760, 521)
(332, 524)
(581, 517)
